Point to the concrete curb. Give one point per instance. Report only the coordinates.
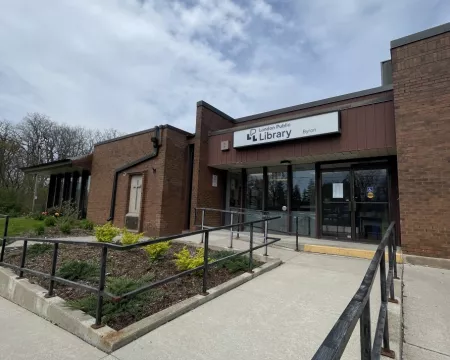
(32, 297)
(334, 250)
(427, 261)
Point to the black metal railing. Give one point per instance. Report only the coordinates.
(228, 217)
(359, 309)
(105, 247)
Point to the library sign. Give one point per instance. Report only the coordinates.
(287, 130)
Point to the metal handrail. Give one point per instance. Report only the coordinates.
(359, 309)
(100, 290)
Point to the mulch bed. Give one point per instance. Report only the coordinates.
(133, 264)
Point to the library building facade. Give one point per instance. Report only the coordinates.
(345, 166)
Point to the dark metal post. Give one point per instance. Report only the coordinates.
(296, 233)
(266, 240)
(5, 235)
(391, 268)
(203, 223)
(22, 261)
(101, 288)
(205, 264)
(365, 333)
(394, 245)
(309, 225)
(54, 260)
(250, 258)
(386, 348)
(231, 231)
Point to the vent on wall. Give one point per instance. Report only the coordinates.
(132, 222)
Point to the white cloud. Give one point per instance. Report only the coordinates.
(133, 64)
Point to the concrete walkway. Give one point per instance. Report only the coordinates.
(426, 313)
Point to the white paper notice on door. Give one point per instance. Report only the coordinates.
(338, 190)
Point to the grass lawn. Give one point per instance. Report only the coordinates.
(18, 226)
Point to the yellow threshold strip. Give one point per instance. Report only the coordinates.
(357, 253)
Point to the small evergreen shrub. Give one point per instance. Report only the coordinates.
(119, 286)
(50, 221)
(158, 250)
(65, 228)
(106, 233)
(233, 265)
(79, 270)
(38, 249)
(129, 238)
(186, 261)
(39, 229)
(86, 224)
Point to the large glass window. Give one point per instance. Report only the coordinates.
(235, 189)
(277, 188)
(255, 189)
(303, 201)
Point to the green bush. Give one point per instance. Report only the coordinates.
(233, 265)
(106, 233)
(38, 249)
(119, 286)
(86, 224)
(158, 250)
(185, 261)
(65, 228)
(50, 221)
(129, 238)
(37, 216)
(39, 229)
(79, 270)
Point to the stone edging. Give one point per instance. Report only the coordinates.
(32, 297)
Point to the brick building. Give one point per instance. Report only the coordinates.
(346, 166)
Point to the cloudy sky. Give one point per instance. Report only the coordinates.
(132, 64)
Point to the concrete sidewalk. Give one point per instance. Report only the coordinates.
(25, 336)
(426, 313)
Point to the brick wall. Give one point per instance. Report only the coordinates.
(421, 77)
(163, 192)
(203, 193)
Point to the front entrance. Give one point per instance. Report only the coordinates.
(355, 203)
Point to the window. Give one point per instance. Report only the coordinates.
(277, 188)
(255, 188)
(303, 189)
(134, 206)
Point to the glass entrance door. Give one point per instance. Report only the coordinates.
(371, 203)
(336, 204)
(355, 203)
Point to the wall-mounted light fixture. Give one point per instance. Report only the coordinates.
(285, 162)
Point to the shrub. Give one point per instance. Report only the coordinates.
(78, 270)
(158, 250)
(37, 216)
(50, 221)
(185, 261)
(39, 229)
(129, 238)
(38, 249)
(86, 224)
(106, 233)
(65, 228)
(233, 265)
(119, 286)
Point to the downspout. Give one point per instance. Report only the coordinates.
(156, 140)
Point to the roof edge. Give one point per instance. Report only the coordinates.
(437, 30)
(326, 101)
(217, 111)
(137, 133)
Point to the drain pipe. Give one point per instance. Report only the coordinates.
(156, 140)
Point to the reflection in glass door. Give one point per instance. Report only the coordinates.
(336, 204)
(355, 203)
(371, 203)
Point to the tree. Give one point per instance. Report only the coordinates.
(38, 139)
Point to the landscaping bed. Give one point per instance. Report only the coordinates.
(126, 270)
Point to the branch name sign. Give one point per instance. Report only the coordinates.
(287, 130)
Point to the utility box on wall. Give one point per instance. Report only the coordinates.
(132, 222)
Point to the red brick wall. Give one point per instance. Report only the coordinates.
(203, 193)
(421, 77)
(163, 193)
(108, 157)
